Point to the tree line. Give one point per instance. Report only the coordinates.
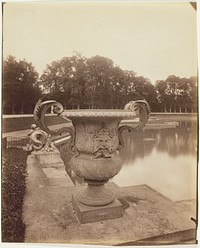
(96, 82)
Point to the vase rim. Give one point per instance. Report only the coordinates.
(120, 113)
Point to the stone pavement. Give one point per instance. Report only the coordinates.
(149, 217)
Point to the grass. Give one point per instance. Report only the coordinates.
(22, 123)
(13, 188)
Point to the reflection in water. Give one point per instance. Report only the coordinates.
(137, 145)
(173, 141)
(177, 142)
(165, 159)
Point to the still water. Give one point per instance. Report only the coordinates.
(164, 159)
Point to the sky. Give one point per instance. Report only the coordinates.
(154, 40)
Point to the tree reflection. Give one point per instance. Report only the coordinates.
(137, 145)
(177, 141)
(181, 140)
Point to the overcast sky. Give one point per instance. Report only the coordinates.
(154, 40)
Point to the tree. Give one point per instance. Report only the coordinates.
(65, 81)
(183, 94)
(175, 94)
(113, 88)
(160, 87)
(193, 98)
(140, 88)
(100, 82)
(96, 82)
(20, 90)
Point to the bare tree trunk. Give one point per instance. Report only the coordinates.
(179, 109)
(165, 109)
(174, 108)
(185, 109)
(170, 108)
(22, 109)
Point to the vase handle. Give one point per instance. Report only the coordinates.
(39, 117)
(141, 109)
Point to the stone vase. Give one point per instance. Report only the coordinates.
(96, 139)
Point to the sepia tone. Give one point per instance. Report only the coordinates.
(99, 123)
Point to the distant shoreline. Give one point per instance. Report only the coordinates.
(15, 123)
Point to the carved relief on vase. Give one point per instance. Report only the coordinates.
(97, 139)
(102, 143)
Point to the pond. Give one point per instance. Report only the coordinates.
(164, 159)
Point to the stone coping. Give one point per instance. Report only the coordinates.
(7, 116)
(96, 113)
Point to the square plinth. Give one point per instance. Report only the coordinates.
(88, 214)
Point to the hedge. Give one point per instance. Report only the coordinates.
(13, 188)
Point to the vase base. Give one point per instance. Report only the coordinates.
(95, 194)
(88, 214)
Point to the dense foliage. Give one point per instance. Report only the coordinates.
(177, 94)
(13, 188)
(20, 91)
(96, 82)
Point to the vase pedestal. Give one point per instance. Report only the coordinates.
(95, 194)
(88, 214)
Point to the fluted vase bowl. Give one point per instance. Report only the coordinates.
(96, 139)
